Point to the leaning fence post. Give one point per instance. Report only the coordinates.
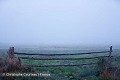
(11, 52)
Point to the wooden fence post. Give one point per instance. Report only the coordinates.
(11, 52)
(110, 54)
(110, 51)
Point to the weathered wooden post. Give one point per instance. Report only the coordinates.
(11, 52)
(14, 62)
(110, 51)
(110, 55)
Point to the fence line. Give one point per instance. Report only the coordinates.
(11, 54)
(32, 58)
(57, 65)
(63, 54)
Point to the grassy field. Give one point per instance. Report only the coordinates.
(84, 72)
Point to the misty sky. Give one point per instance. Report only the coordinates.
(51, 22)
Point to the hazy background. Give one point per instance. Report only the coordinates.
(59, 22)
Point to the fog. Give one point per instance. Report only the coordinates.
(60, 22)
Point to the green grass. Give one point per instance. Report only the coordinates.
(65, 73)
(87, 72)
